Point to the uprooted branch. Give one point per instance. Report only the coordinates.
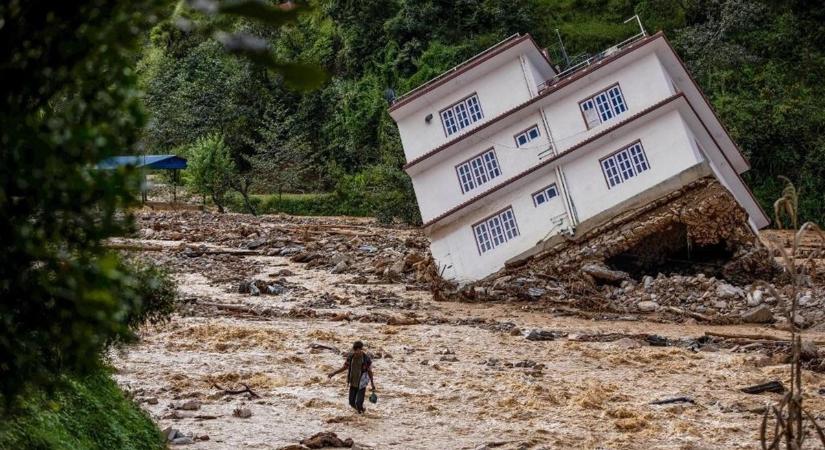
(246, 389)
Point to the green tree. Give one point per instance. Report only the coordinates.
(67, 103)
(211, 169)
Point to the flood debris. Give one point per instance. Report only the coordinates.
(591, 376)
(246, 390)
(242, 413)
(771, 386)
(668, 401)
(326, 439)
(687, 255)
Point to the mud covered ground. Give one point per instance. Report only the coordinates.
(449, 375)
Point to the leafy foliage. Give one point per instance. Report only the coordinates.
(85, 412)
(67, 103)
(157, 291)
(383, 190)
(759, 62)
(211, 169)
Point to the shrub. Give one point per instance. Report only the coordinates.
(156, 291)
(69, 100)
(380, 190)
(85, 412)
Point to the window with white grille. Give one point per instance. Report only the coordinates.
(477, 171)
(603, 106)
(624, 164)
(461, 115)
(527, 135)
(495, 230)
(543, 196)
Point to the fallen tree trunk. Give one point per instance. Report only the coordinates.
(245, 390)
(683, 312)
(238, 308)
(754, 337)
(136, 247)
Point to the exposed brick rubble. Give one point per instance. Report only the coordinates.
(627, 265)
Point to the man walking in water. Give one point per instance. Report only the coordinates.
(358, 375)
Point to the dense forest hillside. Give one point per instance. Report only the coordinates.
(761, 63)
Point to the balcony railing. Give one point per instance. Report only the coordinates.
(589, 61)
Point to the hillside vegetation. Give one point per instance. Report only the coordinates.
(760, 62)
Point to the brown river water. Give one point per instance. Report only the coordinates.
(440, 386)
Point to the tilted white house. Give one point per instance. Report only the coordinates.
(504, 152)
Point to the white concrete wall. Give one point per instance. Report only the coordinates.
(498, 91)
(454, 244)
(438, 188)
(669, 148)
(669, 151)
(643, 83)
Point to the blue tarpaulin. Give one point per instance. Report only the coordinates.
(163, 162)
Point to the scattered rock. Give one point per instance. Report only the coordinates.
(184, 440)
(755, 298)
(627, 343)
(326, 439)
(253, 290)
(759, 314)
(287, 251)
(258, 243)
(725, 290)
(808, 351)
(275, 289)
(535, 292)
(647, 306)
(340, 267)
(243, 413)
(339, 258)
(603, 273)
(190, 405)
(170, 433)
(541, 335)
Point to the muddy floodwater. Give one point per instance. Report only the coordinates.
(458, 376)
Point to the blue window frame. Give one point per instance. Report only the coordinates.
(603, 106)
(461, 115)
(624, 164)
(495, 230)
(543, 196)
(477, 170)
(527, 135)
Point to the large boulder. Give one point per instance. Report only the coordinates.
(760, 314)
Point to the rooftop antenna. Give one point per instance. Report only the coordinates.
(563, 51)
(389, 95)
(638, 20)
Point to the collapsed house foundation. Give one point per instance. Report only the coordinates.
(690, 248)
